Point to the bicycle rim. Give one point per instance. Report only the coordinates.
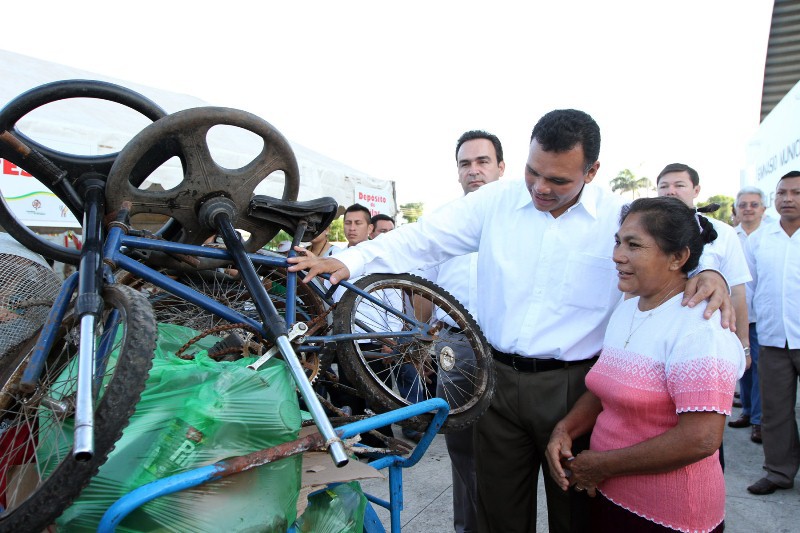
(393, 370)
(39, 478)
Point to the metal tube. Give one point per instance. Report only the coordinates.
(273, 322)
(89, 307)
(335, 446)
(83, 448)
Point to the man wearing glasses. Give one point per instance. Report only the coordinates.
(749, 208)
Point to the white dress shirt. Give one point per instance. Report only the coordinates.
(548, 285)
(751, 312)
(774, 260)
(725, 254)
(459, 277)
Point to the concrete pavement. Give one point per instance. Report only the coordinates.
(427, 492)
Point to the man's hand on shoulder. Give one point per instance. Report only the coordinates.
(711, 286)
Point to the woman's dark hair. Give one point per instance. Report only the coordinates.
(674, 225)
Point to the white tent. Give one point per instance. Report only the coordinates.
(93, 128)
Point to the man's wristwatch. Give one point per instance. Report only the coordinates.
(747, 351)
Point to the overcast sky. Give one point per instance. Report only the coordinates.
(387, 87)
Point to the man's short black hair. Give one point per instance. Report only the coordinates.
(480, 134)
(791, 174)
(680, 167)
(381, 216)
(562, 130)
(358, 207)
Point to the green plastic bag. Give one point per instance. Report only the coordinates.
(338, 509)
(194, 413)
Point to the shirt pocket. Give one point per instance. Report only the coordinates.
(590, 282)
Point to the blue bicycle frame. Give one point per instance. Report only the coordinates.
(115, 249)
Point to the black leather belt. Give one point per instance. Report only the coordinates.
(532, 365)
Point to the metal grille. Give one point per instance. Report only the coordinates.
(27, 291)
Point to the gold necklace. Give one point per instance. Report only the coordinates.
(631, 330)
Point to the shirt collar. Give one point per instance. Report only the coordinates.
(774, 228)
(588, 200)
(524, 198)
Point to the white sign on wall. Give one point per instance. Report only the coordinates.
(775, 148)
(376, 200)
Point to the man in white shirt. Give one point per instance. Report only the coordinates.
(547, 289)
(724, 254)
(683, 182)
(381, 224)
(357, 224)
(479, 160)
(773, 253)
(749, 208)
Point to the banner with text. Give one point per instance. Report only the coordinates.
(775, 148)
(30, 201)
(375, 200)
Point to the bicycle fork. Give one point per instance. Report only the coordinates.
(88, 309)
(218, 213)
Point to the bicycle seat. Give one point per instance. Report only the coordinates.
(287, 214)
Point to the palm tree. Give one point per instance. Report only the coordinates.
(412, 211)
(626, 181)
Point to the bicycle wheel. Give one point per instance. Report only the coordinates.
(232, 292)
(52, 169)
(39, 477)
(397, 370)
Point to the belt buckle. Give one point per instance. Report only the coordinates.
(514, 360)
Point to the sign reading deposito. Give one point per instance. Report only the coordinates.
(376, 200)
(30, 201)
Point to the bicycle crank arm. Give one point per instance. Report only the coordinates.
(297, 330)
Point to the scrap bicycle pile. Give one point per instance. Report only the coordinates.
(71, 383)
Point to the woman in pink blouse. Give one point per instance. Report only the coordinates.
(658, 396)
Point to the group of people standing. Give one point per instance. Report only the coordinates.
(610, 377)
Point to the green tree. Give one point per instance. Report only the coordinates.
(725, 211)
(411, 212)
(337, 231)
(626, 181)
(277, 239)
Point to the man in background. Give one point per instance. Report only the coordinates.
(725, 253)
(357, 224)
(749, 208)
(773, 254)
(479, 160)
(381, 224)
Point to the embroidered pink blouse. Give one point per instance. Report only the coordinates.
(675, 361)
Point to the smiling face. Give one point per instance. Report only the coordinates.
(555, 179)
(679, 185)
(750, 209)
(643, 269)
(477, 164)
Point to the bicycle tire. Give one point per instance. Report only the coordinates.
(426, 353)
(38, 426)
(46, 164)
